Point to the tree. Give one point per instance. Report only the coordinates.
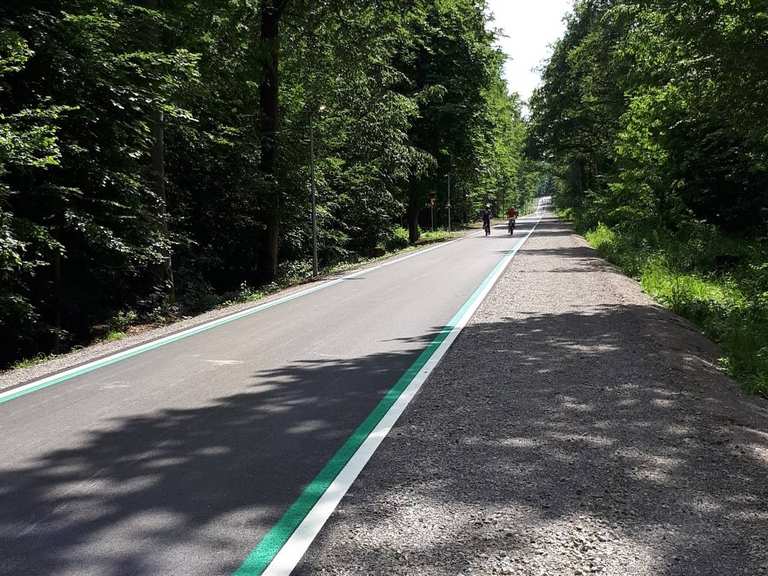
(154, 155)
(641, 110)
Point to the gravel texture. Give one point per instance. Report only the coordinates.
(574, 428)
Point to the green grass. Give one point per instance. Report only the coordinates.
(437, 236)
(114, 335)
(34, 361)
(684, 272)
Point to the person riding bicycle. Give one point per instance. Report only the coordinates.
(512, 214)
(487, 220)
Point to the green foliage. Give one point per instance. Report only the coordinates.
(123, 320)
(113, 336)
(436, 236)
(398, 240)
(645, 118)
(467, 124)
(719, 284)
(131, 166)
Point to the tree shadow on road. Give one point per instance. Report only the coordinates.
(614, 419)
(188, 490)
(601, 439)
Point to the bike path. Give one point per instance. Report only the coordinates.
(179, 460)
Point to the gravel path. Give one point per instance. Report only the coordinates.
(574, 428)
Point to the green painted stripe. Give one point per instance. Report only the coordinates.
(45, 382)
(170, 339)
(266, 550)
(270, 545)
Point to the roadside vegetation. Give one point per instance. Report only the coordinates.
(654, 118)
(719, 283)
(155, 155)
(129, 323)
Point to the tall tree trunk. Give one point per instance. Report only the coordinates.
(269, 93)
(58, 290)
(414, 209)
(164, 270)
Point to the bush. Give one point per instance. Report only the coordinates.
(397, 240)
(295, 271)
(123, 320)
(719, 283)
(198, 296)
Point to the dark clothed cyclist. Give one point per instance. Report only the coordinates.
(487, 220)
(512, 214)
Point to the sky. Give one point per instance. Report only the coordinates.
(529, 28)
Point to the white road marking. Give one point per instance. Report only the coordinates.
(60, 377)
(297, 545)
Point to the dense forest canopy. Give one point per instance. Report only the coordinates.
(656, 110)
(154, 155)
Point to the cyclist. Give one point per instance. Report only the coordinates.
(487, 220)
(512, 214)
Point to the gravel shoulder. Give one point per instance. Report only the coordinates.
(574, 428)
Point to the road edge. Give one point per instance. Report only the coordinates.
(283, 547)
(58, 376)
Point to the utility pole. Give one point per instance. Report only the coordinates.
(449, 203)
(432, 200)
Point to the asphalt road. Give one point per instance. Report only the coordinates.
(179, 460)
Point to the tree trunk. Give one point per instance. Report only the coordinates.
(269, 93)
(58, 290)
(414, 209)
(164, 270)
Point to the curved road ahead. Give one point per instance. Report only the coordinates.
(179, 460)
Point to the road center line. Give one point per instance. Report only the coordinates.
(283, 547)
